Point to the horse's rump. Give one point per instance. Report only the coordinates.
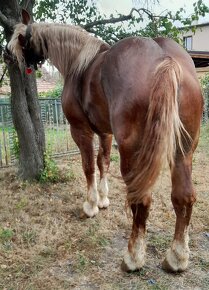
(142, 85)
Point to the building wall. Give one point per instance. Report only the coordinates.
(200, 39)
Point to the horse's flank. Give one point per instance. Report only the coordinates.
(78, 47)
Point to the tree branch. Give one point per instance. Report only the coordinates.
(27, 4)
(114, 39)
(4, 20)
(3, 74)
(118, 19)
(121, 18)
(108, 21)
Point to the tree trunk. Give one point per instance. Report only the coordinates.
(25, 105)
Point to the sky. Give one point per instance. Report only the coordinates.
(124, 6)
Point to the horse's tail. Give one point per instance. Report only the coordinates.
(163, 131)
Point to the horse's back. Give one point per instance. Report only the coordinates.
(128, 64)
(132, 62)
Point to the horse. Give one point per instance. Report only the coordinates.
(145, 93)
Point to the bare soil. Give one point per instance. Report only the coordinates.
(46, 244)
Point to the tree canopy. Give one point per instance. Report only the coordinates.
(139, 21)
(111, 28)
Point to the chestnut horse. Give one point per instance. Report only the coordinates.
(143, 91)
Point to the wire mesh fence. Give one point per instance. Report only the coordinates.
(6, 135)
(58, 139)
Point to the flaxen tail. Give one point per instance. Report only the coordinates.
(163, 131)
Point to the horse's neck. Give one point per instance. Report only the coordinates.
(62, 57)
(72, 57)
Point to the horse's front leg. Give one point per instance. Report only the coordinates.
(103, 163)
(84, 140)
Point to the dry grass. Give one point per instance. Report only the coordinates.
(46, 245)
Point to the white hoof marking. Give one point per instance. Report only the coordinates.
(177, 257)
(103, 189)
(90, 210)
(103, 202)
(136, 259)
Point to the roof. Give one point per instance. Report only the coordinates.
(194, 25)
(200, 58)
(200, 24)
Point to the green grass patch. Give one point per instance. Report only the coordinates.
(6, 235)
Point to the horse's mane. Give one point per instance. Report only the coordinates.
(14, 45)
(70, 48)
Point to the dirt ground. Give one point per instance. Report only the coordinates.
(45, 244)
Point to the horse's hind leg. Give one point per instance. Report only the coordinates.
(183, 197)
(103, 162)
(134, 257)
(84, 140)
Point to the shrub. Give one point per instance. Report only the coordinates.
(55, 93)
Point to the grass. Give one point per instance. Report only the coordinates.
(204, 137)
(115, 158)
(58, 140)
(45, 243)
(160, 241)
(6, 235)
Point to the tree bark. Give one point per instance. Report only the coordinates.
(24, 102)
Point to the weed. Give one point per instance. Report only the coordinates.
(68, 245)
(83, 262)
(29, 237)
(6, 235)
(93, 228)
(71, 175)
(7, 246)
(22, 203)
(103, 242)
(114, 158)
(50, 172)
(15, 145)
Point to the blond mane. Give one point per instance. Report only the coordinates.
(69, 48)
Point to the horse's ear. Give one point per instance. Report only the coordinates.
(25, 17)
(21, 39)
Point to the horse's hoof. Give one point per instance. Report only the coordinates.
(131, 264)
(172, 263)
(167, 267)
(90, 210)
(103, 202)
(125, 268)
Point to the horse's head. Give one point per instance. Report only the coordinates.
(22, 45)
